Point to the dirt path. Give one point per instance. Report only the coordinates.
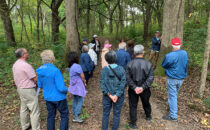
(93, 105)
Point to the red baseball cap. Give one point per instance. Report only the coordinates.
(176, 42)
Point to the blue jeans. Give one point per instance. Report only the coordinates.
(173, 89)
(107, 105)
(62, 107)
(77, 105)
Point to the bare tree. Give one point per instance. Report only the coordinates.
(72, 35)
(7, 22)
(205, 62)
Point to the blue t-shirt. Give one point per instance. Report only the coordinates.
(175, 64)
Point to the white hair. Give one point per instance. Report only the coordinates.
(176, 47)
(85, 48)
(47, 56)
(122, 45)
(138, 49)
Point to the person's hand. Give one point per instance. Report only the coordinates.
(138, 90)
(111, 97)
(115, 98)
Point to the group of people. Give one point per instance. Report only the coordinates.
(124, 67)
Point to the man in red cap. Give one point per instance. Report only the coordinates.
(175, 64)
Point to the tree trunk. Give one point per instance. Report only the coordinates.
(205, 62)
(72, 37)
(148, 19)
(55, 20)
(37, 25)
(7, 23)
(173, 21)
(88, 19)
(101, 24)
(110, 24)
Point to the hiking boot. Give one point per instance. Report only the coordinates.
(77, 120)
(149, 119)
(169, 118)
(133, 127)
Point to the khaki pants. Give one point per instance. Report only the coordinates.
(154, 55)
(29, 104)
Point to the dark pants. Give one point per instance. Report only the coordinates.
(133, 103)
(107, 106)
(87, 76)
(64, 114)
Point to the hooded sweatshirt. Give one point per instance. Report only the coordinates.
(103, 61)
(50, 79)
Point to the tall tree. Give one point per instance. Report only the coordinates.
(55, 4)
(88, 18)
(147, 19)
(72, 35)
(173, 21)
(205, 62)
(7, 22)
(111, 13)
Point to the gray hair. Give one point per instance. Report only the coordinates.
(47, 56)
(19, 52)
(122, 45)
(111, 57)
(138, 49)
(176, 47)
(85, 48)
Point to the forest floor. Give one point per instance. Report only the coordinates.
(192, 113)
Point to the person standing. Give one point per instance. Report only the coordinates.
(140, 75)
(175, 64)
(154, 54)
(25, 80)
(77, 85)
(92, 53)
(113, 82)
(97, 45)
(130, 44)
(86, 63)
(50, 79)
(84, 42)
(106, 49)
(123, 57)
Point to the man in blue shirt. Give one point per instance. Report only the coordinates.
(123, 57)
(175, 65)
(154, 54)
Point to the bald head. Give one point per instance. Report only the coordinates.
(21, 53)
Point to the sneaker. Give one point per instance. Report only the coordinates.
(149, 119)
(77, 119)
(133, 127)
(169, 118)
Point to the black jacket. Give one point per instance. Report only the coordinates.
(139, 73)
(94, 42)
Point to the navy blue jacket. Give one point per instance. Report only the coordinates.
(175, 64)
(86, 63)
(123, 57)
(156, 44)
